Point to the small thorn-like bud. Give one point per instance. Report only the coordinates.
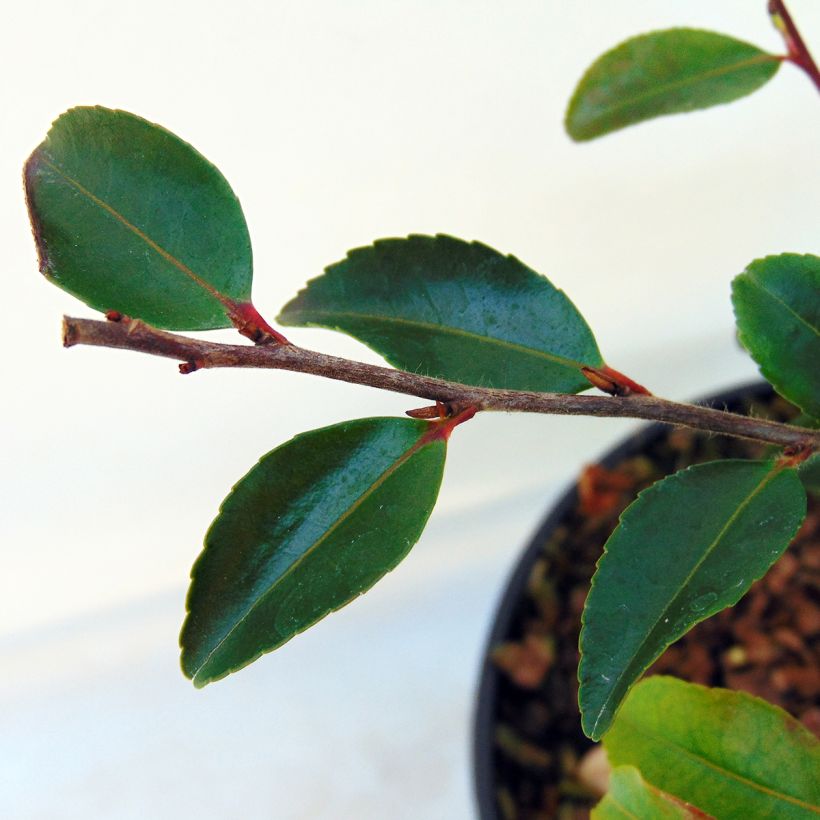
(424, 413)
(248, 321)
(113, 316)
(597, 379)
(611, 381)
(189, 367)
(794, 454)
(440, 429)
(251, 331)
(441, 411)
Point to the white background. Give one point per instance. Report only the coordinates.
(338, 123)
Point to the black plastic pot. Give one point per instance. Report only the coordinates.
(484, 766)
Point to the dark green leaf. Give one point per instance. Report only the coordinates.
(630, 797)
(777, 306)
(809, 472)
(313, 525)
(453, 309)
(128, 217)
(664, 72)
(687, 547)
(731, 754)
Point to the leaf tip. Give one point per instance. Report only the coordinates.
(594, 724)
(192, 671)
(573, 130)
(200, 683)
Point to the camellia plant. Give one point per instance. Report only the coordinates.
(137, 224)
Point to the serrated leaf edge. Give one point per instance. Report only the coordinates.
(200, 682)
(770, 476)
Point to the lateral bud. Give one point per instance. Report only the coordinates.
(797, 453)
(190, 367)
(249, 322)
(120, 318)
(597, 379)
(441, 411)
(440, 430)
(613, 382)
(423, 413)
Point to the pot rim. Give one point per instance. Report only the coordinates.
(482, 735)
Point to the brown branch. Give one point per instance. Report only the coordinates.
(799, 53)
(198, 354)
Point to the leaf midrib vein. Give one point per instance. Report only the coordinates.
(726, 527)
(447, 329)
(109, 209)
(763, 289)
(692, 80)
(402, 459)
(709, 764)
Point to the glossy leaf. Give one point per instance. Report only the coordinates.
(630, 796)
(664, 72)
(128, 217)
(732, 755)
(687, 547)
(777, 307)
(453, 309)
(313, 525)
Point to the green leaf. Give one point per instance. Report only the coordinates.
(777, 307)
(731, 754)
(128, 217)
(630, 797)
(452, 309)
(313, 525)
(809, 472)
(687, 547)
(664, 72)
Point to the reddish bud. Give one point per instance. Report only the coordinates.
(597, 379)
(249, 322)
(613, 382)
(794, 454)
(190, 367)
(423, 413)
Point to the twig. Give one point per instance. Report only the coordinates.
(197, 354)
(799, 53)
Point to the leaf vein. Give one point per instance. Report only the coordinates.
(627, 670)
(763, 289)
(447, 329)
(402, 459)
(168, 257)
(709, 764)
(691, 80)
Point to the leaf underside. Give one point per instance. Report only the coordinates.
(732, 755)
(453, 309)
(664, 72)
(687, 547)
(777, 308)
(313, 525)
(128, 217)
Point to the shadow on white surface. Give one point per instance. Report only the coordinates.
(367, 715)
